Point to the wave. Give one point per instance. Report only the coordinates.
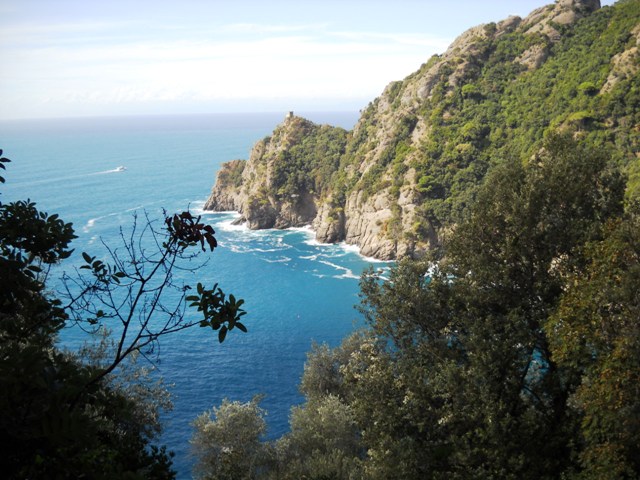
(230, 225)
(90, 224)
(306, 229)
(336, 249)
(348, 273)
(348, 247)
(315, 243)
(269, 250)
(248, 245)
(344, 248)
(197, 208)
(278, 260)
(235, 248)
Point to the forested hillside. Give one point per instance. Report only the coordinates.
(412, 165)
(510, 348)
(514, 356)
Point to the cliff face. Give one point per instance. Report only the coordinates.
(283, 182)
(410, 167)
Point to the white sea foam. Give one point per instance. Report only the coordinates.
(65, 178)
(375, 260)
(197, 208)
(315, 243)
(356, 249)
(306, 229)
(348, 274)
(231, 226)
(347, 271)
(326, 250)
(235, 248)
(343, 248)
(278, 260)
(347, 247)
(139, 207)
(92, 221)
(269, 250)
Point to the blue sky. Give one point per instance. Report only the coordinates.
(90, 57)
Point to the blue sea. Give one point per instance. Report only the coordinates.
(296, 290)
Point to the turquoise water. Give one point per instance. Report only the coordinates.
(296, 291)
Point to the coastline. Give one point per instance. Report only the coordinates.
(231, 225)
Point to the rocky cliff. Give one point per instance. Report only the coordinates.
(286, 177)
(411, 165)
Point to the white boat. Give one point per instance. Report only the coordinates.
(121, 168)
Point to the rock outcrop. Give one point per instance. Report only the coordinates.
(411, 164)
(273, 189)
(625, 64)
(226, 194)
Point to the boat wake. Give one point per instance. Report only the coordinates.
(70, 177)
(119, 169)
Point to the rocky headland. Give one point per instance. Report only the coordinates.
(409, 169)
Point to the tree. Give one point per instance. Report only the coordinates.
(475, 392)
(595, 335)
(324, 442)
(130, 290)
(92, 413)
(510, 354)
(227, 441)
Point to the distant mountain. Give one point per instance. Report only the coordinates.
(412, 164)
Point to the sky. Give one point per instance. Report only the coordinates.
(68, 58)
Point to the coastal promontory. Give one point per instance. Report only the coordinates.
(398, 182)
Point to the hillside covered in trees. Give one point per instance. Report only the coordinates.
(505, 344)
(411, 167)
(513, 353)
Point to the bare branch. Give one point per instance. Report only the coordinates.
(133, 285)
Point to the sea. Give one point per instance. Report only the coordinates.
(99, 172)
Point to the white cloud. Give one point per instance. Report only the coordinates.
(295, 61)
(406, 39)
(256, 28)
(29, 34)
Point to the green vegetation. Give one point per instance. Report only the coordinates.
(500, 109)
(392, 157)
(512, 353)
(595, 339)
(231, 173)
(238, 456)
(309, 159)
(93, 413)
(496, 98)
